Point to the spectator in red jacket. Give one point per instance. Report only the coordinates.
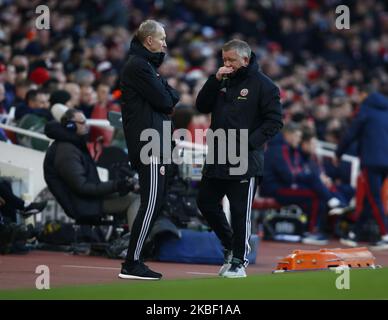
(100, 111)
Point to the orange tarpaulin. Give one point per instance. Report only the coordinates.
(327, 258)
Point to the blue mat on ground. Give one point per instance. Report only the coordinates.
(199, 247)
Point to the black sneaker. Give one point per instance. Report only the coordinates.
(137, 270)
(33, 208)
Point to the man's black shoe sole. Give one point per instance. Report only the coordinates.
(132, 277)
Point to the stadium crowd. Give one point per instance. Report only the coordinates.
(324, 73)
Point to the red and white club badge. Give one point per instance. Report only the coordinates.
(162, 170)
(244, 92)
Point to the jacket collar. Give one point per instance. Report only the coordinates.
(56, 131)
(156, 59)
(243, 72)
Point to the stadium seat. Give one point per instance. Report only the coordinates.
(96, 132)
(33, 123)
(265, 204)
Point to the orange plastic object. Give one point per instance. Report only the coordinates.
(327, 258)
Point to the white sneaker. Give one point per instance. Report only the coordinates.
(236, 270)
(315, 239)
(228, 255)
(333, 203)
(340, 210)
(225, 267)
(349, 240)
(380, 245)
(384, 237)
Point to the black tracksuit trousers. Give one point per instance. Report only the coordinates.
(153, 185)
(240, 194)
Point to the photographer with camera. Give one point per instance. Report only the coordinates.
(71, 174)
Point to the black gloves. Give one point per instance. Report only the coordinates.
(123, 186)
(33, 208)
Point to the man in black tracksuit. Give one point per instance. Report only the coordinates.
(239, 96)
(147, 102)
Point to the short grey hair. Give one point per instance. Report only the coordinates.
(242, 48)
(291, 127)
(148, 28)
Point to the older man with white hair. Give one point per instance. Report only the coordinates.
(147, 103)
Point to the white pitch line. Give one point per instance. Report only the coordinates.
(111, 268)
(202, 273)
(89, 267)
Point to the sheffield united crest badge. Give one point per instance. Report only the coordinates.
(244, 92)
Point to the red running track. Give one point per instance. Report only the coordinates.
(18, 271)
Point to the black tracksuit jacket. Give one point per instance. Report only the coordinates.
(247, 100)
(147, 99)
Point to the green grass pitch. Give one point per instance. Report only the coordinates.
(364, 284)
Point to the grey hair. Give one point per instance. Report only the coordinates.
(291, 127)
(148, 28)
(242, 48)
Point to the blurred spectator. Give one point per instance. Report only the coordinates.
(59, 96)
(370, 129)
(21, 89)
(3, 112)
(100, 111)
(59, 101)
(2, 100)
(21, 65)
(295, 42)
(84, 77)
(322, 71)
(291, 181)
(75, 93)
(88, 98)
(36, 103)
(107, 74)
(337, 187)
(39, 76)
